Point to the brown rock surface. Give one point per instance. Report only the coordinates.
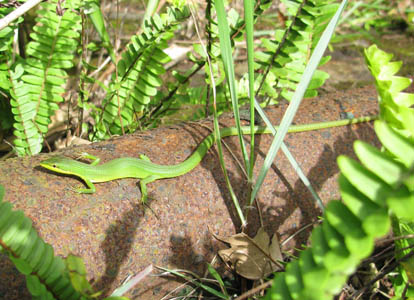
(116, 237)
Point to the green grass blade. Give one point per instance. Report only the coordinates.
(97, 19)
(131, 282)
(297, 98)
(217, 276)
(226, 54)
(248, 17)
(291, 159)
(217, 134)
(196, 283)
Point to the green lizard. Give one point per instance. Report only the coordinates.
(147, 171)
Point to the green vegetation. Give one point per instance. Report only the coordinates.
(375, 193)
(47, 276)
(140, 91)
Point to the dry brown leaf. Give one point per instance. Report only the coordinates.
(252, 258)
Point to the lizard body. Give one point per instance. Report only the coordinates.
(147, 171)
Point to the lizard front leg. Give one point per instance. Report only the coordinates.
(91, 187)
(143, 183)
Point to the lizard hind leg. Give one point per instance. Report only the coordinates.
(95, 159)
(143, 183)
(144, 157)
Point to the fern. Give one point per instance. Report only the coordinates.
(6, 60)
(370, 191)
(286, 56)
(47, 276)
(375, 193)
(36, 84)
(32, 256)
(395, 106)
(304, 32)
(182, 93)
(138, 72)
(6, 40)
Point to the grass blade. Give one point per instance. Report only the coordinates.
(291, 159)
(217, 131)
(248, 17)
(217, 276)
(297, 98)
(226, 54)
(95, 14)
(196, 283)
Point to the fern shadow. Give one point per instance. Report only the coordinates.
(16, 289)
(186, 256)
(237, 179)
(296, 196)
(299, 197)
(117, 245)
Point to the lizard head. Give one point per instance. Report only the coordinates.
(60, 164)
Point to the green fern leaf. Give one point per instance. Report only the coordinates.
(139, 72)
(349, 229)
(396, 107)
(287, 55)
(36, 93)
(46, 275)
(376, 193)
(376, 220)
(6, 64)
(28, 139)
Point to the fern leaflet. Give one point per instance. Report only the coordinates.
(350, 227)
(139, 72)
(376, 193)
(47, 276)
(37, 91)
(286, 56)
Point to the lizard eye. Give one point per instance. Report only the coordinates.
(54, 166)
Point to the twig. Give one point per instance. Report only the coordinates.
(381, 275)
(4, 22)
(255, 290)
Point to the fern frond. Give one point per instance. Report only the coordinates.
(139, 72)
(396, 107)
(377, 192)
(6, 63)
(370, 192)
(52, 51)
(286, 56)
(181, 95)
(45, 273)
(28, 138)
(6, 35)
(47, 276)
